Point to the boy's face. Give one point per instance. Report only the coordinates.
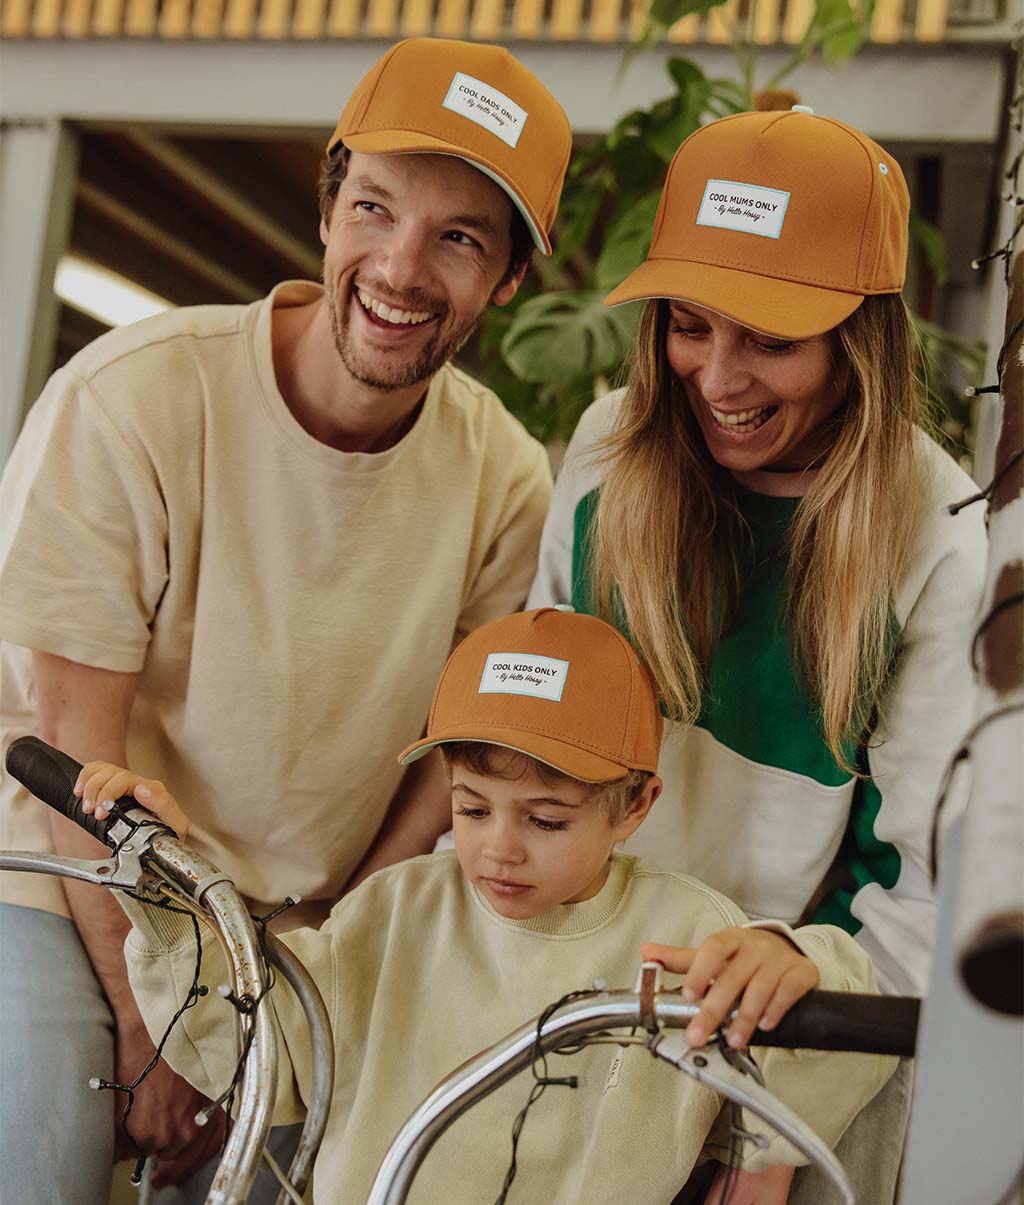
(529, 845)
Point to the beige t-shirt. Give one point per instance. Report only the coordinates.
(289, 606)
(418, 974)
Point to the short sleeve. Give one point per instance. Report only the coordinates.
(83, 543)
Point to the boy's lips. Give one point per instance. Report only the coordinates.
(507, 886)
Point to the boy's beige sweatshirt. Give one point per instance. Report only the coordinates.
(419, 973)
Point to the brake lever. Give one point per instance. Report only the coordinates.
(736, 1076)
(122, 869)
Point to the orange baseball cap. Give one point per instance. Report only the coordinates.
(471, 100)
(566, 689)
(783, 222)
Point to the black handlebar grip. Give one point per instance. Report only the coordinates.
(51, 775)
(844, 1021)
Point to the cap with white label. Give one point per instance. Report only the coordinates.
(781, 221)
(566, 689)
(478, 102)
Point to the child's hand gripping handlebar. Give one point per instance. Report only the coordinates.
(822, 1020)
(149, 861)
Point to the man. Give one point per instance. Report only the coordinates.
(238, 544)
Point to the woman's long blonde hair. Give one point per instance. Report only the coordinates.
(670, 533)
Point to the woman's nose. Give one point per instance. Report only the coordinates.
(721, 374)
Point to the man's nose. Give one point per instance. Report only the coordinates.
(405, 262)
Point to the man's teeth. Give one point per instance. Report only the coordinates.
(747, 419)
(401, 317)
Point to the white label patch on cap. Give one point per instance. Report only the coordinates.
(486, 106)
(745, 207)
(524, 674)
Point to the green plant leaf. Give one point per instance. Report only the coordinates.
(559, 337)
(733, 95)
(668, 12)
(665, 139)
(626, 243)
(635, 168)
(576, 215)
(929, 239)
(684, 73)
(842, 42)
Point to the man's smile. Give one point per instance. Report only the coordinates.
(391, 315)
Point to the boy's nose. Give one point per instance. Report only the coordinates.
(503, 848)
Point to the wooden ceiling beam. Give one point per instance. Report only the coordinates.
(121, 216)
(218, 192)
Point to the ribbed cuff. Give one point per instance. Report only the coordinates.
(156, 930)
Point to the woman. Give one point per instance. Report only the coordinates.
(762, 510)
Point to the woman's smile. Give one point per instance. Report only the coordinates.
(760, 402)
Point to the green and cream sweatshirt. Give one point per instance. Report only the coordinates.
(754, 803)
(418, 974)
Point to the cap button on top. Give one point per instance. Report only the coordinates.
(802, 109)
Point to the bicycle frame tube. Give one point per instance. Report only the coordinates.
(322, 1042)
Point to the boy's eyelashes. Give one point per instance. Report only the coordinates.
(541, 822)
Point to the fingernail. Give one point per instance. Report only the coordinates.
(695, 1035)
(689, 995)
(87, 807)
(142, 792)
(735, 1041)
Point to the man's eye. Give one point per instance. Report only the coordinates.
(472, 813)
(461, 238)
(369, 206)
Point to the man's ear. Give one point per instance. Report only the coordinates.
(324, 231)
(509, 287)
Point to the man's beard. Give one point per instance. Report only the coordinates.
(382, 374)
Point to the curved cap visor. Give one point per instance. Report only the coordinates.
(405, 142)
(571, 760)
(783, 308)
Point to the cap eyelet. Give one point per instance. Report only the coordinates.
(883, 169)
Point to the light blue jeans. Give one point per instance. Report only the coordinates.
(56, 1032)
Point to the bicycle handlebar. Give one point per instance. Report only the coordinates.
(51, 775)
(844, 1021)
(875, 1024)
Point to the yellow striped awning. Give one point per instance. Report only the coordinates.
(766, 22)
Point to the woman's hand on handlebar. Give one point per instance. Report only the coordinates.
(101, 783)
(757, 971)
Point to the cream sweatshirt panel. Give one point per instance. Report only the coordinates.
(289, 606)
(419, 974)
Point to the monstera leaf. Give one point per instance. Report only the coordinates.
(560, 337)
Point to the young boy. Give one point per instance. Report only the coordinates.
(550, 728)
